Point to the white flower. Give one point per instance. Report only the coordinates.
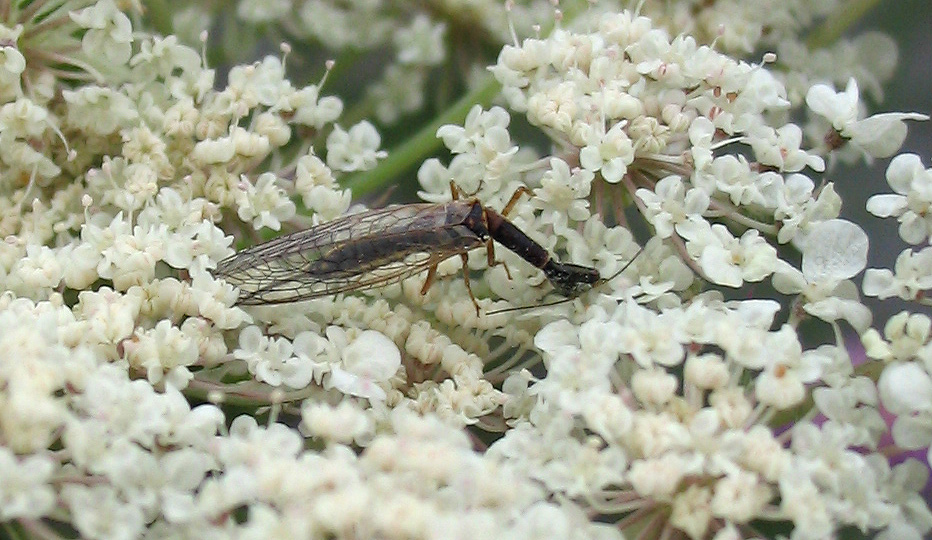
(911, 278)
(707, 371)
(879, 135)
(732, 175)
(163, 352)
(780, 148)
(781, 384)
(211, 151)
(670, 204)
(563, 192)
(803, 502)
(727, 260)
(271, 359)
(105, 316)
(739, 497)
(659, 477)
(312, 110)
(99, 511)
(648, 337)
(368, 362)
(477, 126)
(160, 56)
(833, 252)
(912, 204)
(39, 269)
(354, 150)
(25, 491)
(23, 118)
(99, 110)
(262, 83)
(653, 387)
(317, 352)
(265, 203)
(691, 511)
(555, 107)
(422, 42)
(79, 264)
(249, 144)
(609, 153)
(110, 33)
(907, 337)
(482, 146)
(906, 388)
(345, 423)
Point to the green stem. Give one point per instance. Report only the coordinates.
(422, 144)
(847, 14)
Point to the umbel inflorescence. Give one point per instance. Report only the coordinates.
(715, 389)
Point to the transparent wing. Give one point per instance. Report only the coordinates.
(351, 253)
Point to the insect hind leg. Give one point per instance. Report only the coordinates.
(491, 260)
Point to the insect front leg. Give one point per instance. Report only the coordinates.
(455, 191)
(465, 258)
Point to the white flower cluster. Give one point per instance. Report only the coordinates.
(905, 347)
(673, 428)
(128, 168)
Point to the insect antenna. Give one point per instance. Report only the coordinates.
(601, 282)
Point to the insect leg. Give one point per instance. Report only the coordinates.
(431, 273)
(523, 190)
(465, 258)
(490, 252)
(455, 191)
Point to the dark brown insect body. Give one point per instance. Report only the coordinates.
(368, 249)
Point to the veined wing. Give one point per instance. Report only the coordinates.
(351, 253)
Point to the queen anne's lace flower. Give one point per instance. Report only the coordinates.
(369, 360)
(354, 150)
(880, 135)
(912, 203)
(678, 393)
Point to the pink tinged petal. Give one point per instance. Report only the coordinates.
(353, 385)
(905, 388)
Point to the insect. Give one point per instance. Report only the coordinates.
(365, 250)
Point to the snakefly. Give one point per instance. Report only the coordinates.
(369, 249)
